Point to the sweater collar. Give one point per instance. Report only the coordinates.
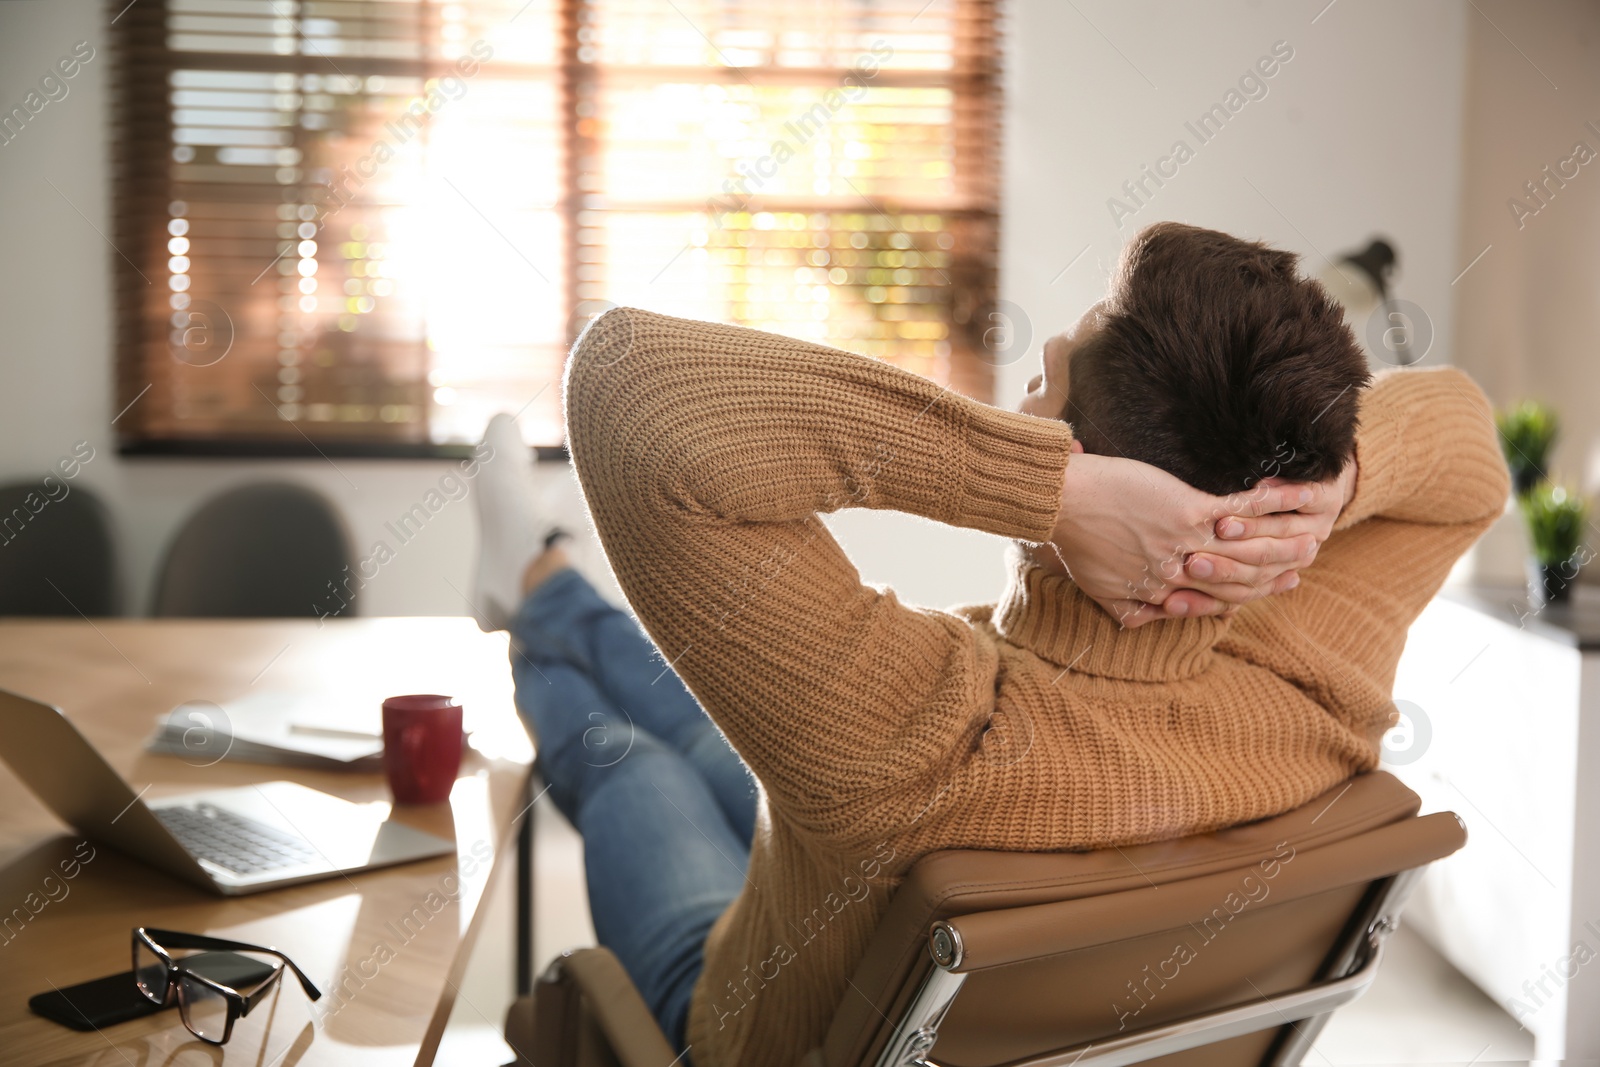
(1050, 616)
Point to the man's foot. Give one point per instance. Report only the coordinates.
(512, 526)
(545, 566)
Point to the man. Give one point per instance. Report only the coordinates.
(1096, 704)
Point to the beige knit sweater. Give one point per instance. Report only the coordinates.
(882, 731)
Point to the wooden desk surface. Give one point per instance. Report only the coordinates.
(386, 947)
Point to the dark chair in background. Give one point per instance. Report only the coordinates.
(261, 551)
(58, 559)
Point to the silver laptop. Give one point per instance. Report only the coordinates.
(231, 841)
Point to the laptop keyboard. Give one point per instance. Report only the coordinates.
(233, 842)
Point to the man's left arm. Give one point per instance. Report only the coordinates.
(1428, 480)
(707, 454)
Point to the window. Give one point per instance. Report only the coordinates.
(360, 227)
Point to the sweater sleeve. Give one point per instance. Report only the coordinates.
(1430, 481)
(706, 455)
(1427, 453)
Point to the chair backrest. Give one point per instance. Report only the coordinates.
(1042, 954)
(56, 552)
(269, 550)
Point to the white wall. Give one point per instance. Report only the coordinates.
(1359, 133)
(1528, 314)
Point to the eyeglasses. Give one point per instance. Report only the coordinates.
(208, 1007)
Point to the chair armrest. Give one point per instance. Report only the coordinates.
(607, 997)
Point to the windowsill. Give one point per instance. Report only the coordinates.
(1575, 623)
(177, 448)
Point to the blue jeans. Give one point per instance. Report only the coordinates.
(665, 806)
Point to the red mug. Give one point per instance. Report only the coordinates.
(421, 747)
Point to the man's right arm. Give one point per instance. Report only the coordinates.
(1430, 480)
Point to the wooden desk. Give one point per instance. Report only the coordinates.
(386, 947)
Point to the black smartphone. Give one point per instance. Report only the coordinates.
(115, 999)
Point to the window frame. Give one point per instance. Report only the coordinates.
(142, 186)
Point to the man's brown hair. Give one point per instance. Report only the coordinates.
(1217, 362)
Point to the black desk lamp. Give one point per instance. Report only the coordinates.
(1360, 281)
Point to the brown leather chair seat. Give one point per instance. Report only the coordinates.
(1226, 948)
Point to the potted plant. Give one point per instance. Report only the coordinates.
(1526, 434)
(1555, 518)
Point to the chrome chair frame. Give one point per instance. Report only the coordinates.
(1351, 971)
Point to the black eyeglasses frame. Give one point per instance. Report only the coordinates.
(158, 942)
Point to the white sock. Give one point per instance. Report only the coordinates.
(561, 502)
(512, 527)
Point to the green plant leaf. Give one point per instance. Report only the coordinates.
(1526, 433)
(1555, 516)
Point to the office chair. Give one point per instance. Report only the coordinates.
(1228, 948)
(271, 550)
(56, 553)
